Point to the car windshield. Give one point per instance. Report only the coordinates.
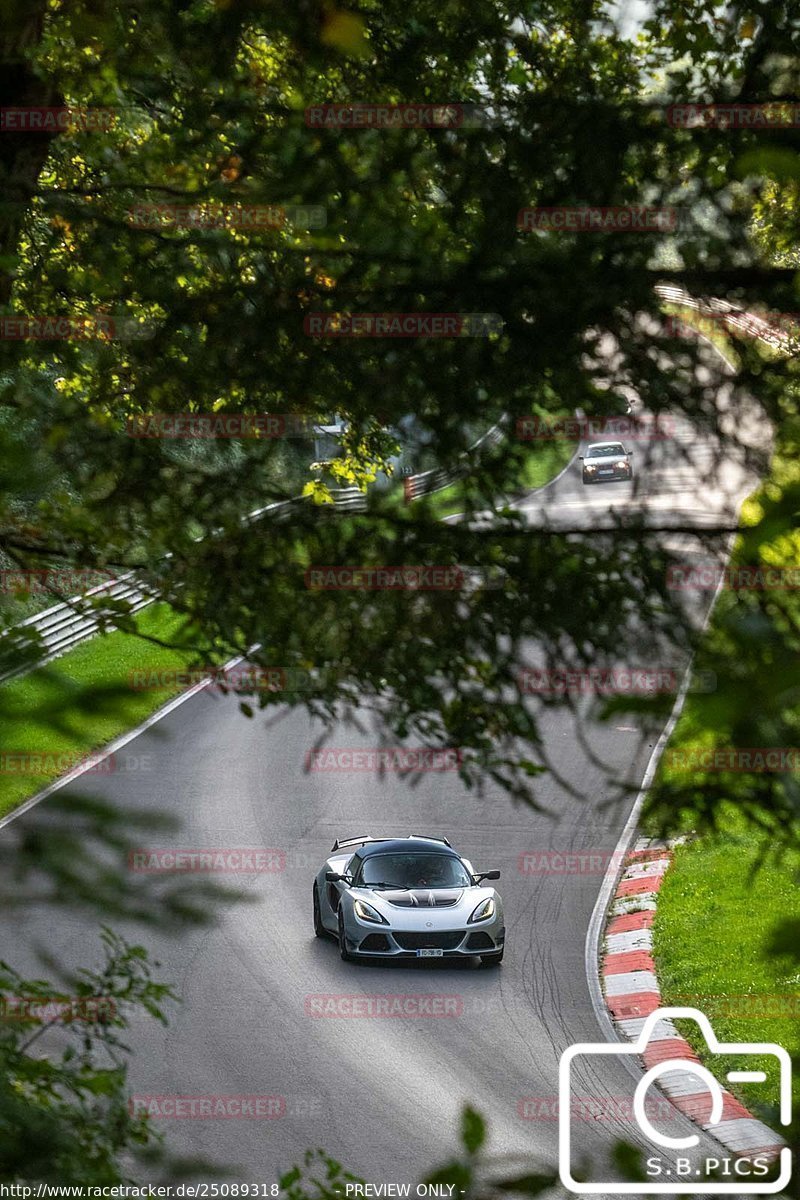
(613, 450)
(414, 870)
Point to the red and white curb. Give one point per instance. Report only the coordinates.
(631, 990)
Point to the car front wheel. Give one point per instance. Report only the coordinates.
(492, 960)
(345, 953)
(319, 928)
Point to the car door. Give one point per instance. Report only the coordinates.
(335, 889)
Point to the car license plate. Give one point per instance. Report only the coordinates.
(430, 953)
(607, 471)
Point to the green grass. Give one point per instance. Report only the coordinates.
(538, 468)
(540, 465)
(712, 330)
(19, 604)
(727, 927)
(83, 700)
(719, 948)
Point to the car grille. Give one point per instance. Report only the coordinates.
(480, 941)
(374, 942)
(429, 941)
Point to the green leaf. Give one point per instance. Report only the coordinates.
(473, 1130)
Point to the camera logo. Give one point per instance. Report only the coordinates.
(700, 1171)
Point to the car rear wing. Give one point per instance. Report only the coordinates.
(340, 843)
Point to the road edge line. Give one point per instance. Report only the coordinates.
(542, 486)
(641, 990)
(597, 922)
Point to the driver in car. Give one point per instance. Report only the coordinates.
(434, 873)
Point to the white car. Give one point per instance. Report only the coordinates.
(605, 462)
(411, 897)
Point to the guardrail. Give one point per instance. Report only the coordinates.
(46, 635)
(731, 316)
(435, 480)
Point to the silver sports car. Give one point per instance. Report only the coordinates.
(411, 897)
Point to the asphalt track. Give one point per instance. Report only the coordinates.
(382, 1094)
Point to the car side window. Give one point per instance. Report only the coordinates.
(354, 866)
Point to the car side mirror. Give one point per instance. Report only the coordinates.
(487, 875)
(628, 451)
(333, 877)
(580, 456)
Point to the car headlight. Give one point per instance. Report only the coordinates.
(367, 913)
(484, 910)
(623, 462)
(590, 467)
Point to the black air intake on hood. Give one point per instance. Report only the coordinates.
(423, 897)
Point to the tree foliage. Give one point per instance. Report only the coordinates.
(208, 100)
